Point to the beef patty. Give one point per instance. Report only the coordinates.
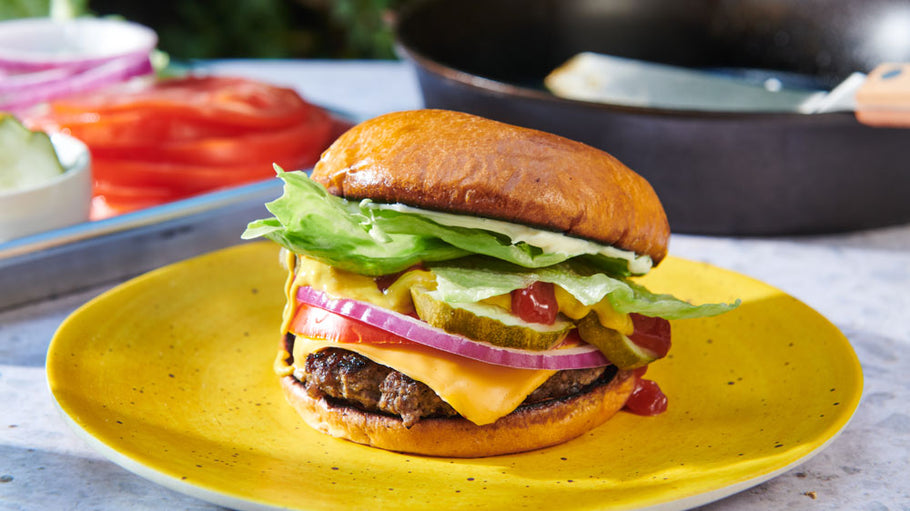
(343, 375)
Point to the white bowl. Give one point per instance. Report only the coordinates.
(43, 43)
(60, 202)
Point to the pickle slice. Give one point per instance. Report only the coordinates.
(487, 323)
(619, 349)
(27, 158)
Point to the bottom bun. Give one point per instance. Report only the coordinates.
(527, 428)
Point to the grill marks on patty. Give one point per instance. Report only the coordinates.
(344, 375)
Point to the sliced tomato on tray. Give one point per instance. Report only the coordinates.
(157, 141)
(134, 127)
(161, 175)
(111, 200)
(289, 147)
(232, 101)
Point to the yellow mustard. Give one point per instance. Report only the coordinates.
(397, 297)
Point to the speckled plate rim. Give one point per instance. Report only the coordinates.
(715, 495)
(224, 498)
(247, 504)
(167, 481)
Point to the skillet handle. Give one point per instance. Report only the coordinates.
(884, 98)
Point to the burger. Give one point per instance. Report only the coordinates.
(462, 287)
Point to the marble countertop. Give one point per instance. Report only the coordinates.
(859, 281)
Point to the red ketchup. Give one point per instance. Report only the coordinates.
(647, 398)
(652, 334)
(536, 303)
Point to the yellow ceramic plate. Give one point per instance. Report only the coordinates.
(169, 375)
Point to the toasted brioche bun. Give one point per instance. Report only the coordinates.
(529, 427)
(460, 163)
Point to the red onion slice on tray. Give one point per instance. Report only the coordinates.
(42, 58)
(110, 72)
(12, 82)
(578, 357)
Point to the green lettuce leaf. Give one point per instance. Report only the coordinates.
(470, 264)
(310, 221)
(473, 279)
(365, 239)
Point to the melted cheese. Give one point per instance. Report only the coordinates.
(304, 271)
(479, 392)
(336, 282)
(606, 314)
(289, 261)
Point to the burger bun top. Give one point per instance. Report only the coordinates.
(464, 164)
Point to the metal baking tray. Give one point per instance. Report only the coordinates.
(90, 254)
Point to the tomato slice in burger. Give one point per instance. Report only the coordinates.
(317, 323)
(651, 333)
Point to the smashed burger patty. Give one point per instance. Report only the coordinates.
(344, 375)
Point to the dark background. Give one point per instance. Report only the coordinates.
(207, 29)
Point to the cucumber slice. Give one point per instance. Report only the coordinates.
(487, 323)
(619, 349)
(27, 158)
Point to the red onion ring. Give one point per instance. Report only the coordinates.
(580, 357)
(12, 82)
(110, 72)
(42, 58)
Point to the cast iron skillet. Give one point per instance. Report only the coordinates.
(716, 172)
